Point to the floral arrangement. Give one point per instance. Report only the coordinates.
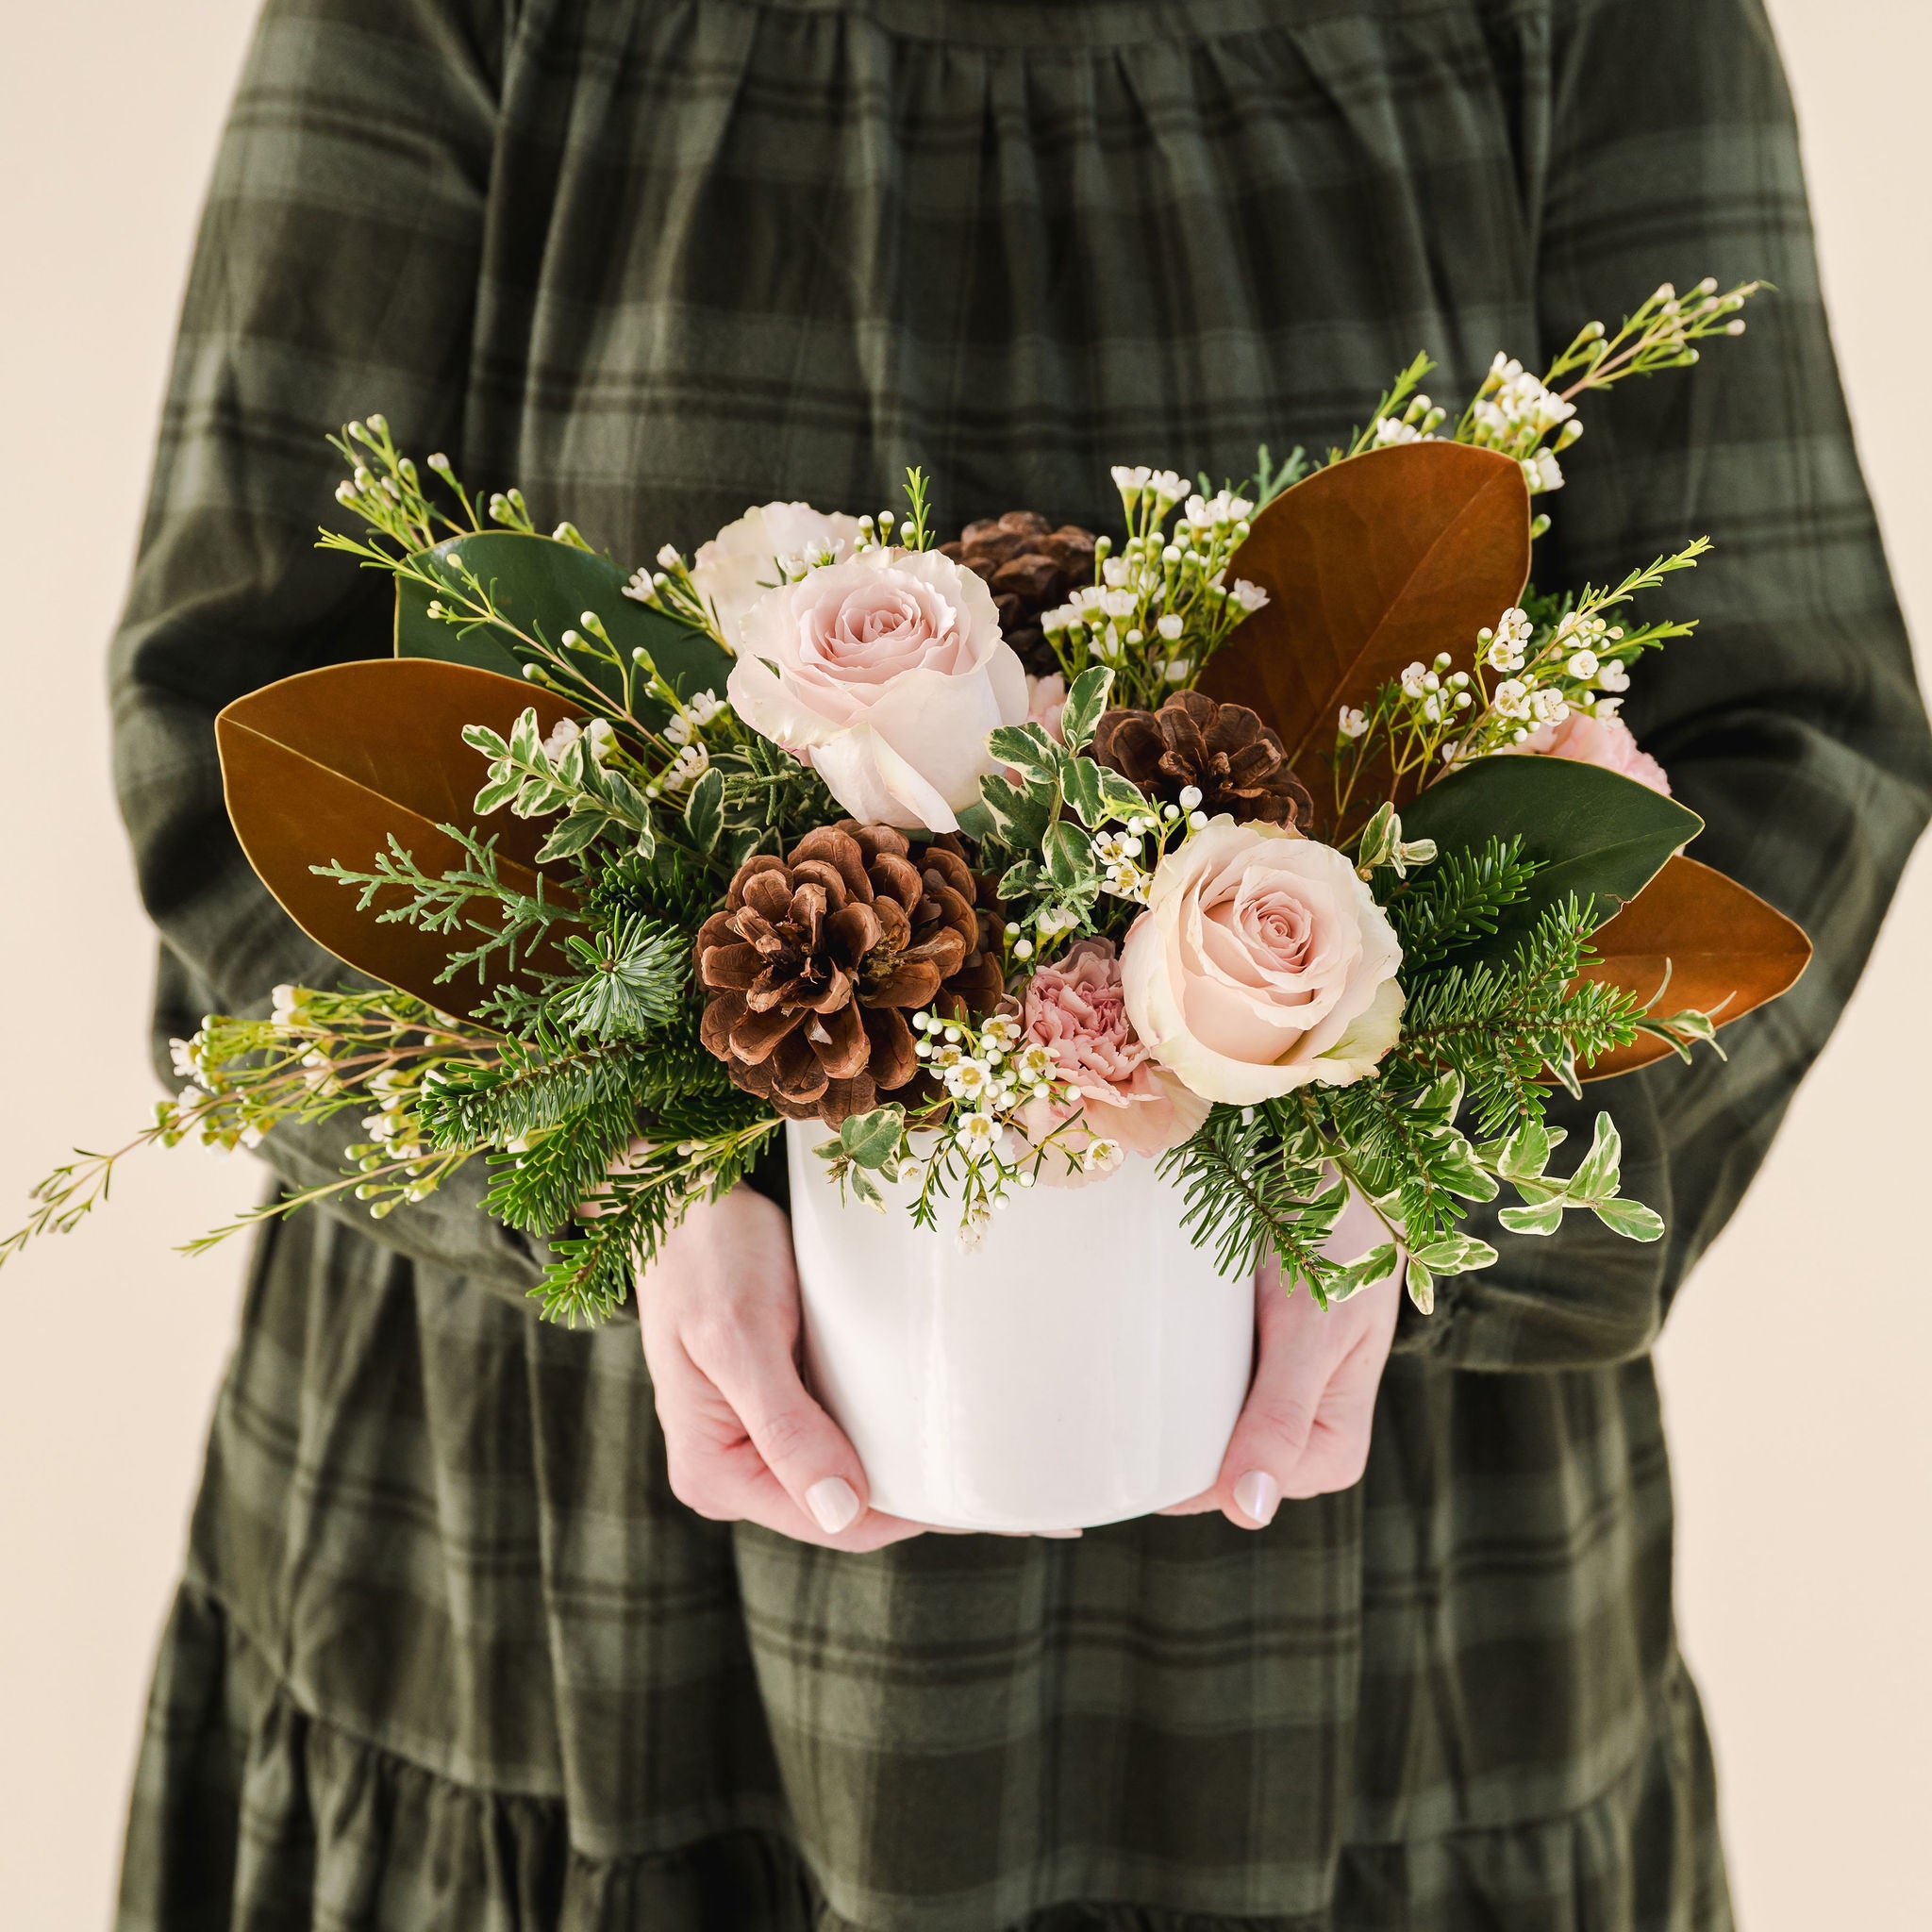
(1281, 837)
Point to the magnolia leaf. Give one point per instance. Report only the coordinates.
(325, 766)
(543, 588)
(1705, 941)
(1591, 832)
(1370, 565)
(1086, 700)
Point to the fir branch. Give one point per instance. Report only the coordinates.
(1457, 901)
(442, 901)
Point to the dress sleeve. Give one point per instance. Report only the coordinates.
(1792, 720)
(336, 273)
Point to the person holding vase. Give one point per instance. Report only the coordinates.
(486, 1623)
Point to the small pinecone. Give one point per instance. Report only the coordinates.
(815, 960)
(979, 983)
(1029, 566)
(1236, 762)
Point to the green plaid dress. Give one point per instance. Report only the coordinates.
(447, 1652)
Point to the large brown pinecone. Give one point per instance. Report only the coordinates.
(1224, 751)
(1029, 566)
(815, 960)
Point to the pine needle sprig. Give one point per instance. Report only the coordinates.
(1457, 901)
(444, 901)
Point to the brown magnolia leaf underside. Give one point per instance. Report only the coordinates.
(1725, 950)
(323, 766)
(1369, 565)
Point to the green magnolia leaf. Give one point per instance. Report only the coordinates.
(1591, 832)
(1631, 1218)
(1546, 1217)
(543, 588)
(703, 810)
(1086, 700)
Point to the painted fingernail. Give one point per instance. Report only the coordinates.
(1256, 1496)
(833, 1503)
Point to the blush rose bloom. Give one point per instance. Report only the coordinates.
(1075, 1005)
(887, 671)
(1597, 740)
(741, 564)
(1261, 964)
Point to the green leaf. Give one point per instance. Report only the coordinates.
(1021, 815)
(1590, 832)
(703, 810)
(1525, 1153)
(1454, 1168)
(1595, 1179)
(1080, 782)
(872, 1140)
(1086, 700)
(1377, 1265)
(1026, 747)
(543, 586)
(1631, 1218)
(1421, 1287)
(1122, 797)
(572, 836)
(978, 822)
(1544, 1218)
(1068, 855)
(1456, 1253)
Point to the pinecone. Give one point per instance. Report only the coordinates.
(1236, 762)
(815, 960)
(1029, 566)
(980, 982)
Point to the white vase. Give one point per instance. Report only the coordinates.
(1084, 1364)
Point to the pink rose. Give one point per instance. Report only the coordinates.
(746, 559)
(1046, 698)
(1263, 963)
(889, 670)
(1076, 1006)
(1597, 740)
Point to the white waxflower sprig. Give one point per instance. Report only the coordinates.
(1161, 607)
(1523, 675)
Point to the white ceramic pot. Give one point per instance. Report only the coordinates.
(1084, 1364)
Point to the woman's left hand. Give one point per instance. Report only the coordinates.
(1304, 1430)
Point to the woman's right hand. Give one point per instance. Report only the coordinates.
(743, 1438)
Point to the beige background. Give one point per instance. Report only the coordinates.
(1794, 1366)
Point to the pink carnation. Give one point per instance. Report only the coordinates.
(1597, 740)
(1075, 1005)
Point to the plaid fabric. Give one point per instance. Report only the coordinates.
(447, 1652)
